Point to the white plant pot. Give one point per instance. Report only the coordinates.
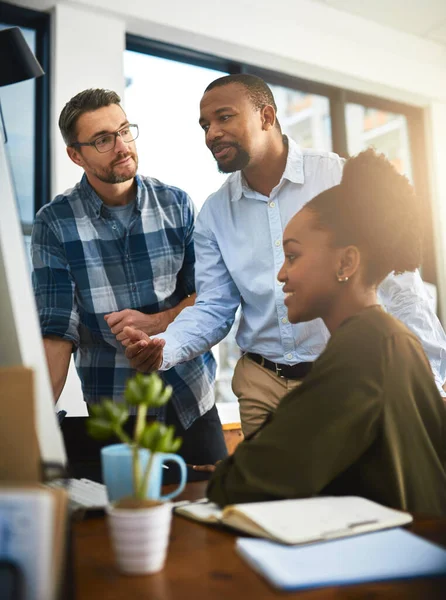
(140, 537)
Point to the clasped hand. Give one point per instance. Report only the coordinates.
(133, 328)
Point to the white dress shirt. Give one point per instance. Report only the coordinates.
(238, 249)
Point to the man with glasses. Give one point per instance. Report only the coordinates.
(117, 250)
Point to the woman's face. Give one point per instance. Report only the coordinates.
(310, 269)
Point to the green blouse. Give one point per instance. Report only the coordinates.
(367, 421)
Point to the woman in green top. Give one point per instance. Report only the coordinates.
(368, 420)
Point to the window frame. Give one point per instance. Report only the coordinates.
(17, 16)
(338, 99)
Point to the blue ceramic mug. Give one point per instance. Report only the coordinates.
(117, 473)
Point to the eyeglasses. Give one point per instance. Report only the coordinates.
(107, 142)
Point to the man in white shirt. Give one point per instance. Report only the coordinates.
(238, 246)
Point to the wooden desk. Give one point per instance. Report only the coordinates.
(202, 565)
(232, 432)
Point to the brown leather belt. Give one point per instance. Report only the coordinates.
(297, 371)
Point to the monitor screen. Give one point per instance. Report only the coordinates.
(20, 337)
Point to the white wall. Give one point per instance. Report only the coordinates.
(300, 37)
(87, 51)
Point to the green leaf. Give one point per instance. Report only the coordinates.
(153, 387)
(151, 436)
(176, 445)
(157, 437)
(96, 410)
(166, 439)
(134, 393)
(168, 442)
(98, 428)
(148, 390)
(163, 398)
(117, 414)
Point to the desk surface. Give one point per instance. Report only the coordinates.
(202, 565)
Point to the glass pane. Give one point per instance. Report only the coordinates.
(18, 106)
(171, 147)
(171, 143)
(386, 132)
(304, 117)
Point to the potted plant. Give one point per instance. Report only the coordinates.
(140, 520)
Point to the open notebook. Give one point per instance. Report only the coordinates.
(300, 521)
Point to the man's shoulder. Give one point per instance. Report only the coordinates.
(321, 156)
(321, 169)
(61, 206)
(160, 188)
(227, 189)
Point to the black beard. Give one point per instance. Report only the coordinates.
(238, 163)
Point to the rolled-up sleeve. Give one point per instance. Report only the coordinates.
(406, 298)
(53, 284)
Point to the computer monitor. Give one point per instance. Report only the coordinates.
(20, 336)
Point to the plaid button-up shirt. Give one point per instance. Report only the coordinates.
(87, 264)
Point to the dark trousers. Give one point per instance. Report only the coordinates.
(203, 443)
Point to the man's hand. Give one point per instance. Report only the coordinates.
(149, 324)
(205, 468)
(143, 354)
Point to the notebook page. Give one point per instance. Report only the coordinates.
(311, 519)
(206, 512)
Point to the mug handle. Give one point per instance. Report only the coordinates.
(180, 461)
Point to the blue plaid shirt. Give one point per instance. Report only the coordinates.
(86, 264)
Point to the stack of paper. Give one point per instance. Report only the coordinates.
(378, 556)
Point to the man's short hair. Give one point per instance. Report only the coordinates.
(257, 90)
(85, 101)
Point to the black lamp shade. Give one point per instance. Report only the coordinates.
(17, 62)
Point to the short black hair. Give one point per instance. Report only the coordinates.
(257, 90)
(85, 101)
(376, 209)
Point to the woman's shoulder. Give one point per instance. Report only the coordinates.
(374, 322)
(361, 339)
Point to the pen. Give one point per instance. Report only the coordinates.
(334, 533)
(186, 502)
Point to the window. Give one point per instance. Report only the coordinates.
(304, 117)
(25, 110)
(171, 143)
(387, 132)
